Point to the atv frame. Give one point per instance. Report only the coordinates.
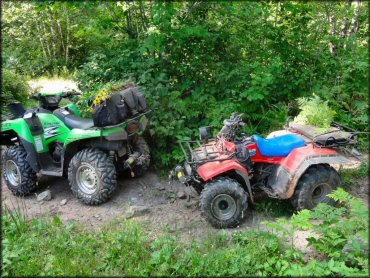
(55, 141)
(244, 162)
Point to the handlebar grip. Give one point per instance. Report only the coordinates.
(70, 94)
(34, 96)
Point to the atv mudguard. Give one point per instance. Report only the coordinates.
(20, 128)
(284, 179)
(230, 167)
(11, 128)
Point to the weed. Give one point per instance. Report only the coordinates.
(275, 208)
(349, 175)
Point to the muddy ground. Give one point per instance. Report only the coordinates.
(168, 210)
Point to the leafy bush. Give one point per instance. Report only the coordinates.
(14, 88)
(314, 111)
(342, 235)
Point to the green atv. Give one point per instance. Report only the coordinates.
(56, 141)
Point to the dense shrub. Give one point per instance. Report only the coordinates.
(200, 61)
(14, 88)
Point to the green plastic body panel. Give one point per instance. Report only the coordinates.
(19, 126)
(56, 130)
(46, 94)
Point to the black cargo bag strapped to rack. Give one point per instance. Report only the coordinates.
(135, 100)
(111, 112)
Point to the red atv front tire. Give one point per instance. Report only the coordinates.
(314, 186)
(224, 202)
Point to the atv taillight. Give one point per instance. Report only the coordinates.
(132, 128)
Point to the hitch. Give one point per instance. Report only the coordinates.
(132, 161)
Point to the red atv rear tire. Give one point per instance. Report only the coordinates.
(313, 187)
(224, 202)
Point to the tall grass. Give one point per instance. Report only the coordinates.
(47, 246)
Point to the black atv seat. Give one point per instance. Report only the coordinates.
(72, 121)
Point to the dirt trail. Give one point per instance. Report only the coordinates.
(167, 211)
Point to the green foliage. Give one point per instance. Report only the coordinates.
(350, 175)
(39, 248)
(314, 112)
(200, 61)
(14, 88)
(343, 235)
(275, 207)
(340, 234)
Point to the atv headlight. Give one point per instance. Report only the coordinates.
(179, 170)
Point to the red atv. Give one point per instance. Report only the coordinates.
(294, 164)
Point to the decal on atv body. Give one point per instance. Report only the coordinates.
(52, 132)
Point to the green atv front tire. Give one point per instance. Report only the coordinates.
(224, 202)
(314, 186)
(20, 178)
(92, 176)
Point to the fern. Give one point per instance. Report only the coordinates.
(316, 112)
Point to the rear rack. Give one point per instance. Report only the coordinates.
(332, 139)
(335, 137)
(197, 153)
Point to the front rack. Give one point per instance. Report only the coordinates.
(198, 153)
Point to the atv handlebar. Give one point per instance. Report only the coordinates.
(231, 126)
(70, 94)
(66, 94)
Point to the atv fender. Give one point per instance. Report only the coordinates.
(284, 179)
(213, 169)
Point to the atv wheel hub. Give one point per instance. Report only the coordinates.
(223, 207)
(319, 193)
(12, 173)
(86, 179)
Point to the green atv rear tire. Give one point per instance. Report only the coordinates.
(314, 186)
(92, 176)
(20, 178)
(224, 202)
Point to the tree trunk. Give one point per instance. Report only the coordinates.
(67, 37)
(276, 13)
(354, 24)
(61, 35)
(52, 35)
(143, 17)
(47, 42)
(41, 41)
(130, 31)
(333, 47)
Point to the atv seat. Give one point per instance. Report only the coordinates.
(278, 146)
(72, 121)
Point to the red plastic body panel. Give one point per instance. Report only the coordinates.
(213, 169)
(258, 157)
(291, 162)
(295, 158)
